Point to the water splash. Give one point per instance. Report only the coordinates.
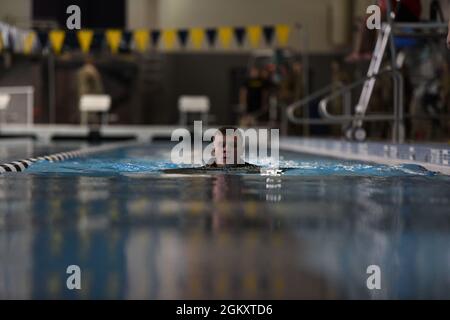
(114, 166)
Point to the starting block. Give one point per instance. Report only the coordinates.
(4, 102)
(97, 103)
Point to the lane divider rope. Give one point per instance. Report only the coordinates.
(22, 165)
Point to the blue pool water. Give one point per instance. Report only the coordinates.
(143, 160)
(139, 234)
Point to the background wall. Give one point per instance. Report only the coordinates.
(142, 14)
(96, 14)
(314, 15)
(17, 12)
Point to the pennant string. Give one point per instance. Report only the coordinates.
(141, 39)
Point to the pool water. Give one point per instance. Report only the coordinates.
(309, 233)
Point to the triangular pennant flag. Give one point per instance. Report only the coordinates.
(126, 40)
(71, 41)
(254, 35)
(56, 38)
(197, 37)
(141, 40)
(169, 37)
(43, 39)
(113, 38)
(268, 32)
(211, 35)
(225, 36)
(282, 32)
(28, 42)
(98, 40)
(85, 39)
(156, 34)
(239, 34)
(182, 37)
(11, 41)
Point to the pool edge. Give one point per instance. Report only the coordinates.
(380, 153)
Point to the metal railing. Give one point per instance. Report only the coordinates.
(331, 93)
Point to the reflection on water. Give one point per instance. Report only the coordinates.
(154, 236)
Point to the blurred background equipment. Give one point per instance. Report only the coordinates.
(4, 102)
(17, 104)
(95, 103)
(193, 105)
(397, 38)
(300, 71)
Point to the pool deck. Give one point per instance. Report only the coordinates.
(45, 133)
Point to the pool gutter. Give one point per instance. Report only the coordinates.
(433, 158)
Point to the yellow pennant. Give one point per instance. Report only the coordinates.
(57, 40)
(28, 42)
(141, 39)
(197, 37)
(254, 35)
(168, 38)
(282, 32)
(85, 39)
(225, 36)
(113, 38)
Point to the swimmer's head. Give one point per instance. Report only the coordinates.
(228, 146)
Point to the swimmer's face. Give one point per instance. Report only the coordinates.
(227, 149)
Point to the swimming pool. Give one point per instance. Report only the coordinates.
(139, 234)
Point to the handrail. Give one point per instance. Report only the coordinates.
(301, 103)
(420, 25)
(323, 104)
(413, 30)
(357, 119)
(321, 92)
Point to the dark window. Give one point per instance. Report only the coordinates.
(94, 14)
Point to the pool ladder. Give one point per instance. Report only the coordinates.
(355, 130)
